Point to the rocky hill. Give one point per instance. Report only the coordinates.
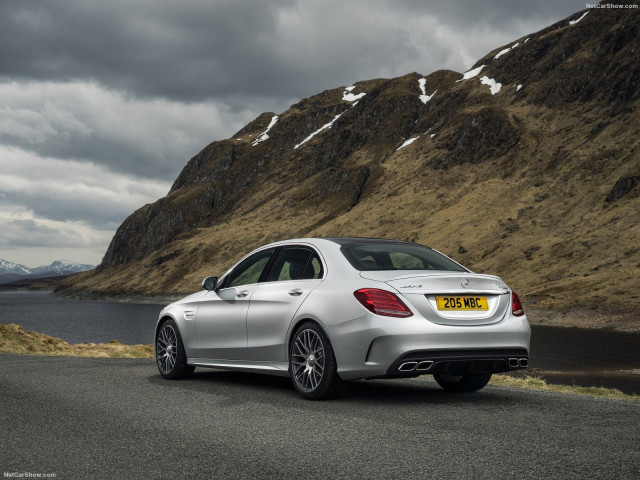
(527, 166)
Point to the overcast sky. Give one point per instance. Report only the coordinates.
(103, 102)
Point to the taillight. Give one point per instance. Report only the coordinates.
(382, 302)
(516, 305)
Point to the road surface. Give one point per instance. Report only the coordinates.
(117, 418)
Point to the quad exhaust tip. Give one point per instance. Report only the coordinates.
(425, 365)
(417, 366)
(407, 366)
(518, 362)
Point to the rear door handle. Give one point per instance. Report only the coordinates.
(295, 292)
(242, 294)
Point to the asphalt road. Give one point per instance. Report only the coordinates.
(118, 419)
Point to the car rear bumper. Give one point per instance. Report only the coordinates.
(459, 362)
(375, 346)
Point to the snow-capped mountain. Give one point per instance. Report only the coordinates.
(10, 271)
(10, 267)
(63, 267)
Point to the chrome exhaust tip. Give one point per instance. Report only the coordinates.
(424, 365)
(513, 363)
(523, 363)
(407, 366)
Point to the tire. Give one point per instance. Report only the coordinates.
(171, 358)
(470, 382)
(312, 364)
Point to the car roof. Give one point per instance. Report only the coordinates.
(340, 241)
(347, 240)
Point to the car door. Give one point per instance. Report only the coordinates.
(297, 270)
(221, 319)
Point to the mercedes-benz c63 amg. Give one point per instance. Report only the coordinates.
(325, 311)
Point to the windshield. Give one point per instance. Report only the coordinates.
(397, 256)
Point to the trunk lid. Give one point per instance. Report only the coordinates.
(422, 290)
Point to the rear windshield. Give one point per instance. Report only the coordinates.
(397, 256)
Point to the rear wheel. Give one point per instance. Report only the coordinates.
(170, 355)
(470, 382)
(312, 364)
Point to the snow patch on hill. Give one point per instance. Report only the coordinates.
(347, 96)
(471, 73)
(324, 127)
(263, 136)
(507, 50)
(573, 22)
(424, 98)
(493, 85)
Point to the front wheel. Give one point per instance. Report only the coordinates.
(170, 355)
(312, 364)
(470, 382)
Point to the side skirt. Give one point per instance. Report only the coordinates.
(280, 369)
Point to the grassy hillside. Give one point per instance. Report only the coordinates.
(538, 183)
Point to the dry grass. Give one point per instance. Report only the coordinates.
(15, 339)
(537, 383)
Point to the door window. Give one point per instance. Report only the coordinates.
(250, 269)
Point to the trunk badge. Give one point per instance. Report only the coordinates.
(464, 282)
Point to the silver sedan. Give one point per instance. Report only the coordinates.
(324, 311)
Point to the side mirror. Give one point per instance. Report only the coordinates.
(210, 283)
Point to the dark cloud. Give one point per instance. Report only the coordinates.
(196, 50)
(188, 50)
(103, 102)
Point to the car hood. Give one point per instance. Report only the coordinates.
(431, 282)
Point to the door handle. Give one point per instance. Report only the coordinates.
(295, 292)
(242, 294)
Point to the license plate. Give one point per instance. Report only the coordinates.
(462, 303)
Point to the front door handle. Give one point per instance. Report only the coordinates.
(295, 292)
(242, 294)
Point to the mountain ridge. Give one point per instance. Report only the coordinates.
(10, 271)
(528, 169)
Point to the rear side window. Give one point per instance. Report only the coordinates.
(296, 263)
(397, 256)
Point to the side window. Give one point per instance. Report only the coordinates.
(296, 263)
(249, 270)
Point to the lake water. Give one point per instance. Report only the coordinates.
(80, 321)
(563, 355)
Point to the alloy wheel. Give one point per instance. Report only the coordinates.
(308, 360)
(166, 349)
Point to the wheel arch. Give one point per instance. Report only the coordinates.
(294, 327)
(159, 323)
